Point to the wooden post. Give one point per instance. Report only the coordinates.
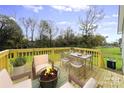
(100, 60)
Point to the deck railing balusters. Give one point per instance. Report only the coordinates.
(13, 53)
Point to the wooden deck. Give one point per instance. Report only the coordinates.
(104, 78)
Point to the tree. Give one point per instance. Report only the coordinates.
(69, 36)
(120, 42)
(46, 28)
(32, 23)
(99, 40)
(26, 24)
(89, 24)
(10, 33)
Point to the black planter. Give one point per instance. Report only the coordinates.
(111, 64)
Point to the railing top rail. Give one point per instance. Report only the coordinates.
(41, 48)
(95, 50)
(30, 49)
(4, 52)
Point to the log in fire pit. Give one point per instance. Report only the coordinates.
(48, 77)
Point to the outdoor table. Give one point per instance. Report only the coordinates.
(83, 57)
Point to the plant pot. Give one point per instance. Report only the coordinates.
(19, 69)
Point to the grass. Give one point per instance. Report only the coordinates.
(114, 54)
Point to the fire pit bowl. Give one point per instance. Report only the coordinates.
(48, 77)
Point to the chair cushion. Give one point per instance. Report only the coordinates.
(91, 83)
(65, 60)
(40, 59)
(67, 85)
(24, 84)
(5, 80)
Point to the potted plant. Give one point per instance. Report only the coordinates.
(19, 65)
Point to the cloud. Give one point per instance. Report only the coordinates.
(109, 24)
(106, 16)
(34, 8)
(115, 15)
(64, 23)
(70, 8)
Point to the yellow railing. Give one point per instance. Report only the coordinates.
(13, 53)
(4, 59)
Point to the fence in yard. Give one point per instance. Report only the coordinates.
(14, 53)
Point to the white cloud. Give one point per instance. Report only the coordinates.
(70, 8)
(34, 8)
(106, 16)
(108, 23)
(115, 15)
(64, 23)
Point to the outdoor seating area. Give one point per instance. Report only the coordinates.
(62, 68)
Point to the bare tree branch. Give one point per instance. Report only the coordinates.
(92, 17)
(26, 24)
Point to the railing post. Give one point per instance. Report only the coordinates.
(100, 60)
(15, 53)
(6, 59)
(53, 51)
(4, 63)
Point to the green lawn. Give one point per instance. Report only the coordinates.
(112, 53)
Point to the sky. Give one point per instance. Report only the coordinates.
(67, 15)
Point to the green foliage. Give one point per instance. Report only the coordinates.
(18, 62)
(46, 30)
(85, 41)
(11, 36)
(10, 33)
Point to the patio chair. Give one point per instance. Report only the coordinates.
(39, 62)
(6, 82)
(64, 59)
(91, 83)
(71, 78)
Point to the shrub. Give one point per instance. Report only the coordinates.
(19, 62)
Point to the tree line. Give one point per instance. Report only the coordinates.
(12, 35)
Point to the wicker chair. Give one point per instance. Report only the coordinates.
(91, 83)
(6, 82)
(39, 62)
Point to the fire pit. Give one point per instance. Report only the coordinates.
(48, 77)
